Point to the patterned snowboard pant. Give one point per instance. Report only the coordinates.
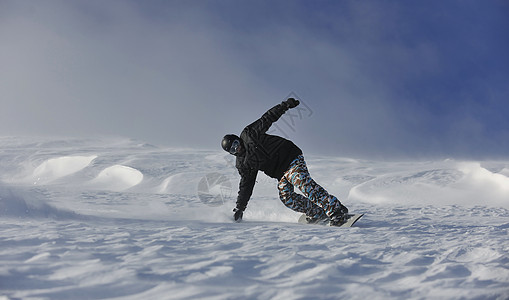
(316, 203)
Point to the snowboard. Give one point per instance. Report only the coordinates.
(352, 218)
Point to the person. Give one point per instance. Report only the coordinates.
(279, 158)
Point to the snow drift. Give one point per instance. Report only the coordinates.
(117, 178)
(59, 167)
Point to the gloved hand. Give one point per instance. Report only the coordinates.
(290, 103)
(238, 214)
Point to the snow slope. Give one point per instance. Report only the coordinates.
(117, 219)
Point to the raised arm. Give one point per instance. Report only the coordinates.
(272, 115)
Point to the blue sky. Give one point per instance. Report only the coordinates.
(381, 79)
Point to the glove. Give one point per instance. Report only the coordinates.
(237, 214)
(290, 103)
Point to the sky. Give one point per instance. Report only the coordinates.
(377, 79)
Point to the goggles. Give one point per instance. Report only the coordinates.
(234, 147)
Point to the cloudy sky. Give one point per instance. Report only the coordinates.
(376, 78)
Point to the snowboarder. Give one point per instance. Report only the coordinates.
(281, 159)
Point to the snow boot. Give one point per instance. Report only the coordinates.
(314, 220)
(316, 215)
(339, 216)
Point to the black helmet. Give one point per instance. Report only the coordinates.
(228, 140)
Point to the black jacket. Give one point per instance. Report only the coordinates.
(263, 152)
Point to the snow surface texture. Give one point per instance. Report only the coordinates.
(87, 219)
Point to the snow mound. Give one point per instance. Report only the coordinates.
(485, 186)
(462, 183)
(180, 183)
(56, 168)
(117, 178)
(481, 177)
